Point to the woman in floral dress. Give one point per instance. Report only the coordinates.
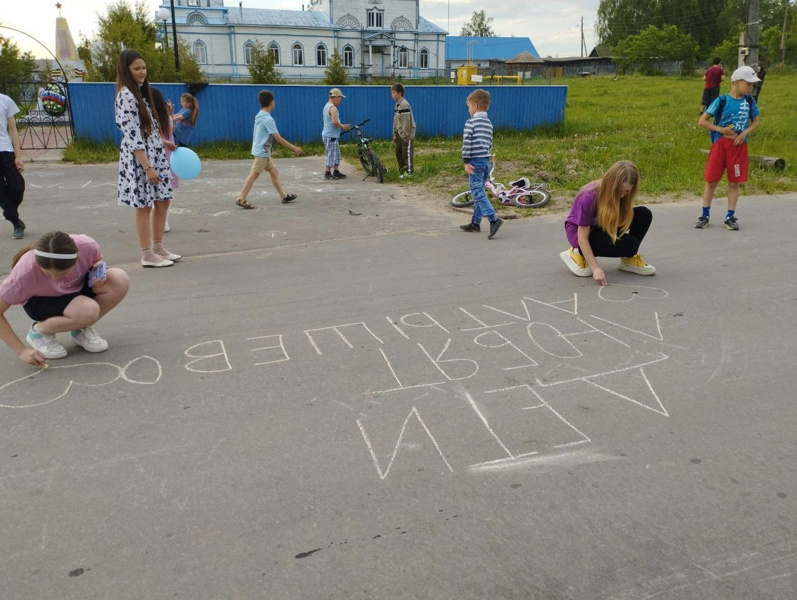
(144, 176)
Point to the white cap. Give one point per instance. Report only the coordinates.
(745, 74)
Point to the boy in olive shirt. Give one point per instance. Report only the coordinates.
(403, 131)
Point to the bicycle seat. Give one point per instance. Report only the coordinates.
(523, 182)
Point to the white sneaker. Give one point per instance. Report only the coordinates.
(166, 228)
(572, 260)
(636, 264)
(46, 344)
(89, 339)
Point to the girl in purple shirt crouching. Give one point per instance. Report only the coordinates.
(604, 222)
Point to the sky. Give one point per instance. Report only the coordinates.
(554, 27)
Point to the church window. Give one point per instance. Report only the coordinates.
(275, 52)
(200, 52)
(298, 54)
(249, 48)
(424, 59)
(376, 18)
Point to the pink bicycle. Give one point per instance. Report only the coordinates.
(520, 193)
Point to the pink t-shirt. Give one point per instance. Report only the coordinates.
(27, 279)
(582, 213)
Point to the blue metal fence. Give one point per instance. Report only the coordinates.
(227, 111)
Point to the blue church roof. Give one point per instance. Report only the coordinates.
(266, 17)
(426, 26)
(488, 48)
(278, 18)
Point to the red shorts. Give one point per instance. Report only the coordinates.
(724, 155)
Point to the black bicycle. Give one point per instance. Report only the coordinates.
(368, 158)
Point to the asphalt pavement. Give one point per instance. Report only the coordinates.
(348, 397)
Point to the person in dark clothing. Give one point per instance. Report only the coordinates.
(12, 184)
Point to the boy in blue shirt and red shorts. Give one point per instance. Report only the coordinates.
(735, 116)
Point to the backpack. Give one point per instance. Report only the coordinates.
(723, 99)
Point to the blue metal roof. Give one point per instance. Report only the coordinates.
(426, 26)
(276, 18)
(298, 18)
(488, 48)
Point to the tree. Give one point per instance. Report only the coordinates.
(728, 50)
(479, 26)
(262, 66)
(123, 27)
(14, 66)
(335, 73)
(709, 22)
(618, 19)
(769, 40)
(653, 45)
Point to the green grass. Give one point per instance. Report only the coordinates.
(83, 152)
(649, 120)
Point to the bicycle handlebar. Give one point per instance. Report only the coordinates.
(357, 126)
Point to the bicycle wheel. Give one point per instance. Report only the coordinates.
(377, 169)
(363, 154)
(532, 199)
(462, 200)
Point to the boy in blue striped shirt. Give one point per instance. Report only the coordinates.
(477, 147)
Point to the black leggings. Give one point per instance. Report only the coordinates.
(627, 245)
(12, 187)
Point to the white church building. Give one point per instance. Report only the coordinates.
(375, 38)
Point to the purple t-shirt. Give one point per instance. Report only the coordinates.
(582, 214)
(27, 280)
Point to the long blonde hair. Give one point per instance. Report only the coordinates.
(613, 212)
(193, 105)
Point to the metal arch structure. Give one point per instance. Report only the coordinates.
(55, 58)
(42, 131)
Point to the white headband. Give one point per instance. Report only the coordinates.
(51, 255)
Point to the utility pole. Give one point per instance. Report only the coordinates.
(583, 41)
(783, 33)
(174, 36)
(753, 25)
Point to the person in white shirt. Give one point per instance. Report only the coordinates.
(12, 184)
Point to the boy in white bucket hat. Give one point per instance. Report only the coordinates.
(735, 116)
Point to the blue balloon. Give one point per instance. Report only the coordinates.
(185, 163)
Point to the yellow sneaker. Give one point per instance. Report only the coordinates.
(576, 263)
(636, 264)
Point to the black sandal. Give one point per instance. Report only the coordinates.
(289, 198)
(243, 203)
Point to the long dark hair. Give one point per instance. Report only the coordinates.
(161, 111)
(55, 242)
(125, 79)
